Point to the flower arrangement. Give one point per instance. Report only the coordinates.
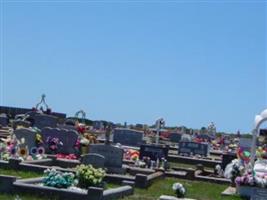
(54, 178)
(179, 189)
(234, 169)
(66, 156)
(38, 139)
(14, 148)
(53, 143)
(89, 176)
(90, 137)
(130, 154)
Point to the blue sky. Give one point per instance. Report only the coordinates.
(190, 63)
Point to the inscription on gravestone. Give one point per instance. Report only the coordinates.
(128, 137)
(194, 148)
(259, 194)
(28, 134)
(153, 151)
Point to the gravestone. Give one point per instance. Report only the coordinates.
(259, 194)
(227, 158)
(44, 120)
(113, 156)
(67, 137)
(28, 134)
(175, 137)
(96, 160)
(153, 151)
(128, 137)
(245, 143)
(193, 148)
(3, 119)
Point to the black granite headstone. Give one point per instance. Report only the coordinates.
(153, 151)
(175, 137)
(127, 137)
(193, 148)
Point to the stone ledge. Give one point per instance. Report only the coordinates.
(166, 197)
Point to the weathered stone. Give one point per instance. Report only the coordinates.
(113, 155)
(29, 136)
(96, 160)
(128, 137)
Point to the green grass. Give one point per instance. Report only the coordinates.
(195, 189)
(21, 174)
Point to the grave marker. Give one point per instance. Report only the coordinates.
(193, 148)
(113, 156)
(153, 151)
(3, 119)
(128, 137)
(28, 134)
(67, 137)
(44, 120)
(175, 137)
(96, 160)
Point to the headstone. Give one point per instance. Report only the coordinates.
(153, 151)
(245, 143)
(67, 137)
(4, 119)
(96, 160)
(28, 134)
(113, 155)
(98, 125)
(175, 137)
(43, 120)
(128, 137)
(227, 158)
(193, 148)
(259, 194)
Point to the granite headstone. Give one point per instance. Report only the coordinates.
(96, 160)
(153, 151)
(29, 136)
(3, 119)
(175, 137)
(44, 120)
(67, 137)
(128, 137)
(193, 148)
(113, 156)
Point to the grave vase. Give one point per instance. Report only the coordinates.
(84, 149)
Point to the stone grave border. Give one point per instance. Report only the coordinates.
(13, 184)
(148, 176)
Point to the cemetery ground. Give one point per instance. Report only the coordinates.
(195, 189)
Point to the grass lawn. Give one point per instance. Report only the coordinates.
(21, 174)
(195, 189)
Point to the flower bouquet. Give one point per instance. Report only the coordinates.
(179, 190)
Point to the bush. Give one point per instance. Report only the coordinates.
(89, 176)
